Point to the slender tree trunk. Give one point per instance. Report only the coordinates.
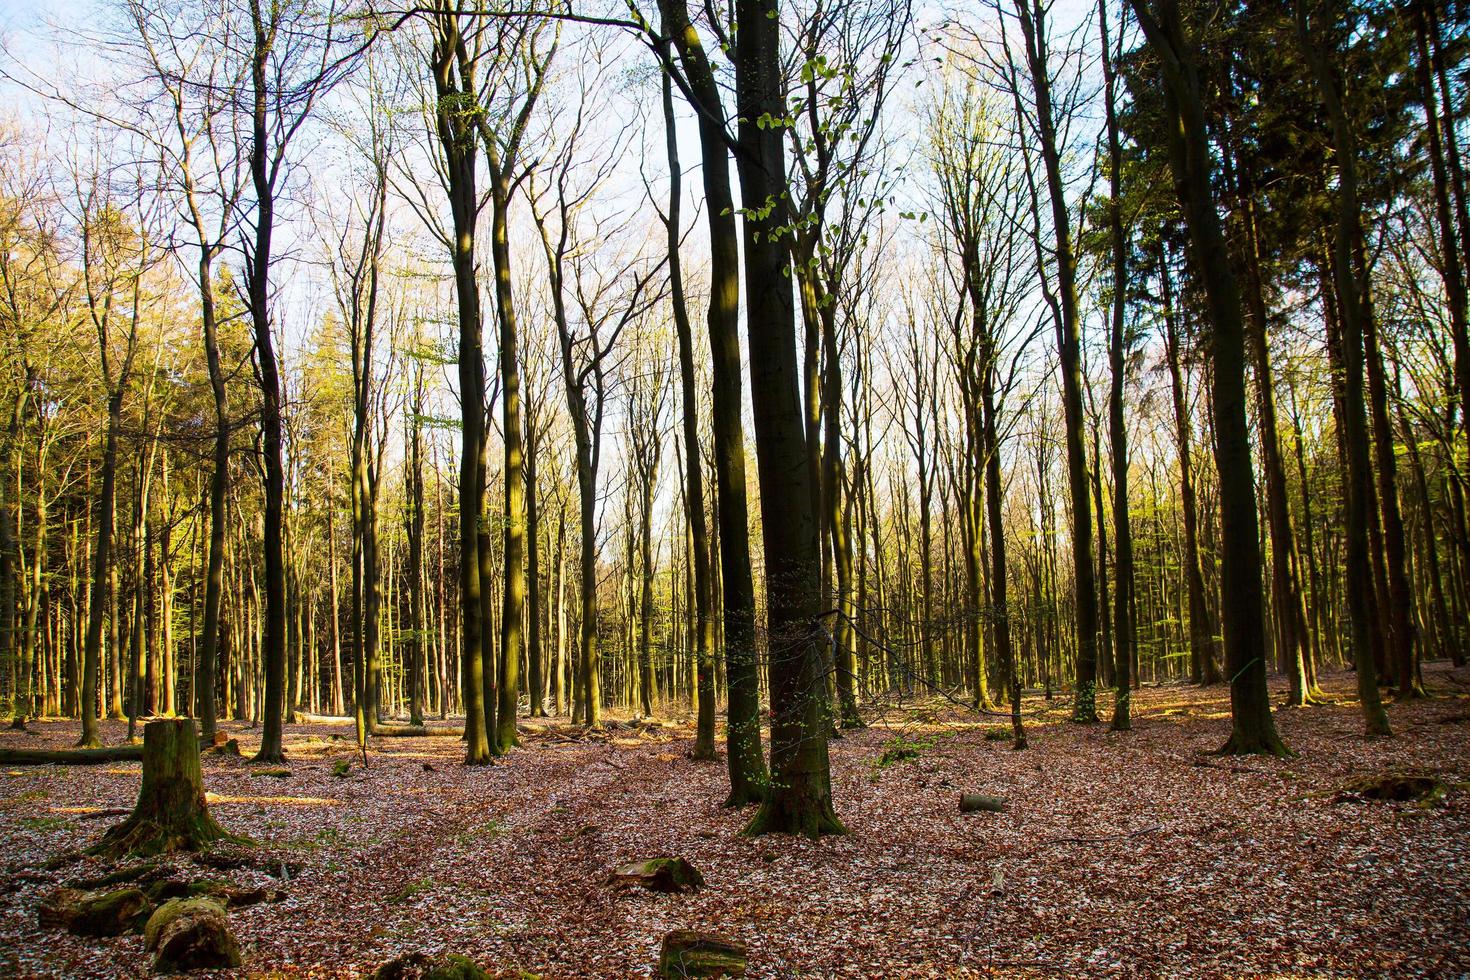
(1351, 297)
(1034, 30)
(512, 613)
(458, 144)
(704, 627)
(101, 565)
(743, 733)
(1125, 640)
(274, 647)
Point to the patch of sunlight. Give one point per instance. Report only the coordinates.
(124, 772)
(279, 800)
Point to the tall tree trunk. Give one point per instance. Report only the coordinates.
(737, 601)
(204, 692)
(258, 288)
(101, 565)
(535, 652)
(1351, 298)
(1034, 30)
(1253, 730)
(800, 795)
(459, 144)
(1286, 593)
(513, 515)
(704, 626)
(1125, 640)
(1201, 644)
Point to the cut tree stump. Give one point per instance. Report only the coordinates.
(971, 802)
(663, 874)
(687, 953)
(170, 814)
(70, 757)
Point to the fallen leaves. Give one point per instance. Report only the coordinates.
(1120, 853)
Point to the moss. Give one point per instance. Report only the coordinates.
(144, 836)
(191, 934)
(142, 871)
(1394, 787)
(109, 913)
(175, 909)
(662, 874)
(421, 966)
(44, 823)
(693, 954)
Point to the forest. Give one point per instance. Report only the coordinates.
(822, 488)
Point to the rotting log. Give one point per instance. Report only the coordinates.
(417, 731)
(170, 814)
(972, 802)
(686, 953)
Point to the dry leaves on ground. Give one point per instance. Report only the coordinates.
(1118, 854)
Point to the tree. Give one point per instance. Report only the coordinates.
(1062, 301)
(693, 490)
(799, 800)
(291, 48)
(114, 258)
(1351, 286)
(1253, 730)
(737, 599)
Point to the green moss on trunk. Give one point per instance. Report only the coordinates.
(170, 814)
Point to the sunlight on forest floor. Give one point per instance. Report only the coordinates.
(1118, 853)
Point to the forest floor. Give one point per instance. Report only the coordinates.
(1120, 854)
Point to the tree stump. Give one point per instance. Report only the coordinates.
(686, 953)
(662, 874)
(170, 814)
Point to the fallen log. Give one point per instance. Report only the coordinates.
(971, 802)
(70, 757)
(417, 731)
(307, 718)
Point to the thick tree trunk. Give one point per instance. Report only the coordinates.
(1253, 730)
(170, 814)
(800, 797)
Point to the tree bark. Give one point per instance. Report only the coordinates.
(1253, 729)
(737, 601)
(799, 800)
